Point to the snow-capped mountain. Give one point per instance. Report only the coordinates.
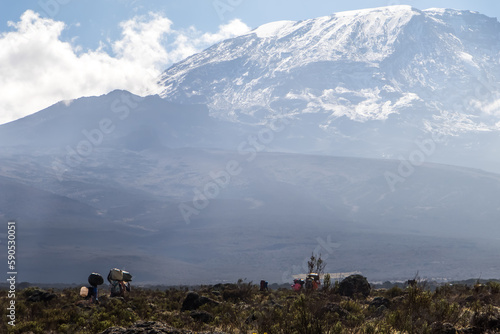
(438, 69)
(174, 195)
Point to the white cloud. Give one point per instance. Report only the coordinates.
(233, 28)
(142, 40)
(38, 69)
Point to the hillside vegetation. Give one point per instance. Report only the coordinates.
(242, 308)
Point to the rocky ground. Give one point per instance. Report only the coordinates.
(351, 306)
(149, 327)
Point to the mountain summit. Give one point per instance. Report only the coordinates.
(440, 66)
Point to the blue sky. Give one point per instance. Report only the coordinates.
(100, 19)
(52, 50)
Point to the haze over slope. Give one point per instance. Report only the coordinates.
(203, 215)
(216, 180)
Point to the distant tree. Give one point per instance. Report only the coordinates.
(311, 264)
(327, 282)
(320, 265)
(316, 264)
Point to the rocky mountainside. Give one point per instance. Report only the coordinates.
(364, 65)
(362, 83)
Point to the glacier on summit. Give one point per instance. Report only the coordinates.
(439, 65)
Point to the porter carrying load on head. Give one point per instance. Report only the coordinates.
(312, 281)
(120, 282)
(92, 292)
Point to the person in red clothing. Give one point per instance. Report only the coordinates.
(313, 282)
(297, 284)
(316, 284)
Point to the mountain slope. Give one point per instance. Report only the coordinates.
(118, 118)
(363, 65)
(143, 210)
(364, 83)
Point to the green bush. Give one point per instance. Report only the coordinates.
(395, 291)
(494, 287)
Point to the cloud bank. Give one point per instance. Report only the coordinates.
(38, 69)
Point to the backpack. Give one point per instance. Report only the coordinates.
(84, 292)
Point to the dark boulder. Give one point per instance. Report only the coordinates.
(380, 301)
(486, 321)
(335, 308)
(202, 316)
(40, 296)
(251, 318)
(83, 304)
(354, 285)
(193, 301)
(442, 328)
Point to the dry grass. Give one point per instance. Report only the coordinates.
(241, 308)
